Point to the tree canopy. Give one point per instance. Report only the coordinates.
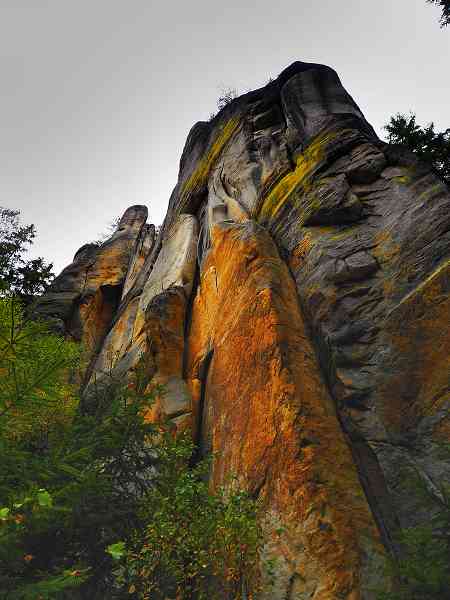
(23, 277)
(431, 146)
(445, 5)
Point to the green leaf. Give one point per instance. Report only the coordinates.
(4, 512)
(76, 473)
(44, 499)
(116, 550)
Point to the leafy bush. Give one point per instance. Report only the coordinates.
(104, 503)
(18, 275)
(195, 543)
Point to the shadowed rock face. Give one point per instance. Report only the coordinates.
(295, 306)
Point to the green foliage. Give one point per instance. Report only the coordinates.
(423, 571)
(95, 503)
(34, 367)
(194, 542)
(445, 5)
(116, 550)
(430, 146)
(26, 278)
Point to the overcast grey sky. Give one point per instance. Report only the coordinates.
(97, 96)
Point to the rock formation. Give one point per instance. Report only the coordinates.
(295, 307)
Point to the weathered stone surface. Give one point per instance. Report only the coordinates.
(86, 295)
(58, 304)
(149, 327)
(366, 164)
(413, 392)
(331, 201)
(119, 340)
(164, 330)
(310, 97)
(143, 248)
(295, 307)
(174, 267)
(262, 405)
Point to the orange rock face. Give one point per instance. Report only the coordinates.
(254, 377)
(149, 327)
(95, 313)
(85, 297)
(416, 329)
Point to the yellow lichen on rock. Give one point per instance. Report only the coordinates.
(284, 188)
(204, 166)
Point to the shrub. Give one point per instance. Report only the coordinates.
(227, 95)
(195, 543)
(104, 503)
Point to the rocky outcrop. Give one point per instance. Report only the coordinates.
(85, 297)
(295, 309)
(261, 404)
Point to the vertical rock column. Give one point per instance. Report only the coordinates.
(84, 298)
(150, 326)
(261, 404)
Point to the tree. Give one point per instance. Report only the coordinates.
(93, 504)
(33, 364)
(18, 275)
(227, 95)
(430, 146)
(445, 4)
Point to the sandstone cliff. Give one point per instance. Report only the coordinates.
(295, 306)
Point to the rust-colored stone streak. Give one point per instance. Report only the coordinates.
(84, 298)
(413, 397)
(148, 329)
(164, 331)
(417, 386)
(267, 413)
(95, 313)
(101, 292)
